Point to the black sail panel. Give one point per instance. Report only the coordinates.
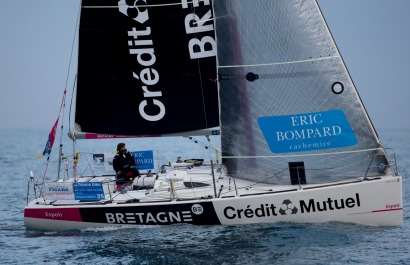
(146, 68)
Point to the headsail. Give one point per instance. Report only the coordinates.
(135, 80)
(286, 95)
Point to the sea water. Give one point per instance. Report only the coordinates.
(281, 243)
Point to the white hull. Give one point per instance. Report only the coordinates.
(372, 202)
(376, 202)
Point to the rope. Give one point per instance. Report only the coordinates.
(321, 154)
(69, 66)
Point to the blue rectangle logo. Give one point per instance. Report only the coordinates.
(90, 191)
(144, 159)
(307, 132)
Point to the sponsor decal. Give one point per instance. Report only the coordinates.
(136, 10)
(329, 204)
(151, 217)
(289, 208)
(393, 206)
(99, 162)
(142, 48)
(91, 191)
(197, 209)
(144, 159)
(67, 214)
(307, 132)
(216, 132)
(56, 215)
(59, 191)
(102, 163)
(206, 46)
(261, 211)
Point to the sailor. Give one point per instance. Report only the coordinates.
(124, 166)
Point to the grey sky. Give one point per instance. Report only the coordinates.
(36, 37)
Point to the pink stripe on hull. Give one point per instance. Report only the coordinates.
(379, 211)
(62, 214)
(387, 210)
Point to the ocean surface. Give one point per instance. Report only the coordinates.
(282, 243)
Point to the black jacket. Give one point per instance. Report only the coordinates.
(123, 161)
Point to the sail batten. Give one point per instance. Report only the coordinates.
(136, 6)
(302, 155)
(282, 63)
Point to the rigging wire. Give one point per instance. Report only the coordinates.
(65, 91)
(71, 105)
(62, 106)
(69, 65)
(198, 142)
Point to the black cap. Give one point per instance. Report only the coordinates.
(120, 145)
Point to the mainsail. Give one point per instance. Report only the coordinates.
(286, 96)
(146, 68)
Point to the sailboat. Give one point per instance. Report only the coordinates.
(266, 76)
